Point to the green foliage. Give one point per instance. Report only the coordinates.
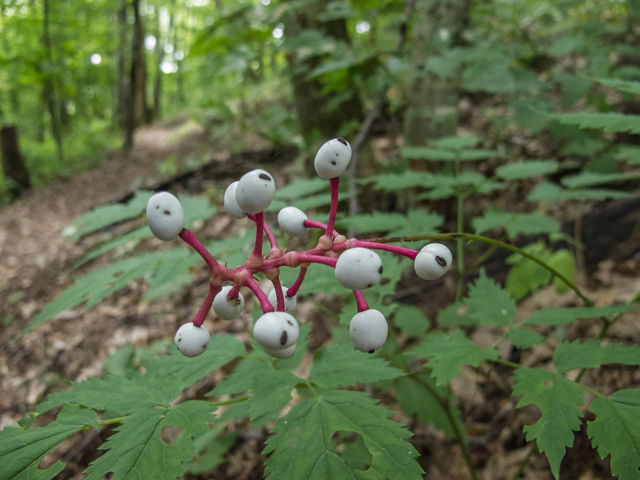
(525, 169)
(561, 316)
(514, 223)
(558, 399)
(608, 122)
(616, 431)
(489, 304)
(591, 354)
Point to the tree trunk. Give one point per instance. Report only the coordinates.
(120, 101)
(137, 104)
(12, 162)
(49, 91)
(433, 101)
(157, 85)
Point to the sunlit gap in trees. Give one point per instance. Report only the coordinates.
(278, 32)
(363, 26)
(95, 59)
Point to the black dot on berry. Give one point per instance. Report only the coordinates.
(283, 338)
(289, 322)
(342, 140)
(380, 270)
(179, 340)
(157, 207)
(371, 351)
(167, 212)
(264, 176)
(370, 285)
(204, 346)
(441, 261)
(333, 162)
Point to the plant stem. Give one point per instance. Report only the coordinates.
(260, 295)
(313, 224)
(293, 289)
(198, 320)
(334, 182)
(279, 295)
(189, 238)
(525, 461)
(406, 252)
(361, 303)
(229, 402)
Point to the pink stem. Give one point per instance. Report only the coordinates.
(305, 258)
(279, 295)
(188, 237)
(313, 224)
(235, 291)
(267, 230)
(407, 252)
(334, 182)
(262, 298)
(293, 289)
(259, 219)
(198, 320)
(360, 301)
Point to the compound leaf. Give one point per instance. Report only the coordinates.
(621, 85)
(609, 122)
(313, 422)
(270, 392)
(393, 182)
(343, 366)
(447, 352)
(616, 431)
(375, 222)
(490, 304)
(558, 399)
(552, 193)
(526, 169)
(139, 451)
(515, 223)
(591, 355)
(523, 337)
(560, 316)
(22, 450)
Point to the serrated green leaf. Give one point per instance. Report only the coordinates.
(550, 192)
(591, 354)
(456, 143)
(373, 222)
(526, 169)
(394, 182)
(344, 366)
(22, 450)
(488, 303)
(126, 241)
(301, 188)
(221, 350)
(419, 153)
(418, 220)
(562, 261)
(514, 223)
(171, 276)
(447, 352)
(608, 122)
(416, 396)
(213, 455)
(270, 392)
(630, 153)
(621, 85)
(616, 431)
(560, 316)
(241, 379)
(558, 399)
(118, 395)
(313, 422)
(137, 450)
(587, 179)
(523, 337)
(108, 215)
(410, 320)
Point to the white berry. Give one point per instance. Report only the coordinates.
(291, 220)
(276, 330)
(358, 268)
(433, 261)
(165, 216)
(283, 353)
(290, 303)
(192, 340)
(230, 203)
(368, 330)
(333, 158)
(255, 191)
(225, 307)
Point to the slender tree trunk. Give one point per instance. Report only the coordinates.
(12, 162)
(180, 96)
(120, 111)
(433, 101)
(137, 105)
(49, 91)
(157, 85)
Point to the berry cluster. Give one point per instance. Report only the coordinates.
(357, 266)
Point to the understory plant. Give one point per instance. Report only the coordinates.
(331, 427)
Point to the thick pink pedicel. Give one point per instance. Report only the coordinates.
(293, 289)
(406, 252)
(313, 224)
(198, 320)
(260, 295)
(361, 303)
(188, 237)
(279, 295)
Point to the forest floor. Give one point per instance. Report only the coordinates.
(36, 263)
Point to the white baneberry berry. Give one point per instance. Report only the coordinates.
(225, 307)
(368, 330)
(290, 303)
(358, 268)
(333, 158)
(276, 330)
(192, 340)
(165, 216)
(283, 353)
(255, 191)
(230, 203)
(291, 220)
(433, 261)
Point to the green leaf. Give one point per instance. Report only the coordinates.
(374, 222)
(621, 85)
(241, 379)
(221, 350)
(270, 392)
(410, 320)
(447, 352)
(118, 395)
(523, 337)
(515, 223)
(489, 75)
(456, 143)
(591, 355)
(301, 188)
(587, 179)
(344, 366)
(172, 275)
(630, 153)
(416, 396)
(560, 316)
(616, 431)
(394, 182)
(490, 304)
(213, 455)
(313, 422)
(420, 153)
(563, 262)
(558, 399)
(608, 122)
(137, 449)
(22, 450)
(526, 169)
(108, 215)
(552, 193)
(127, 241)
